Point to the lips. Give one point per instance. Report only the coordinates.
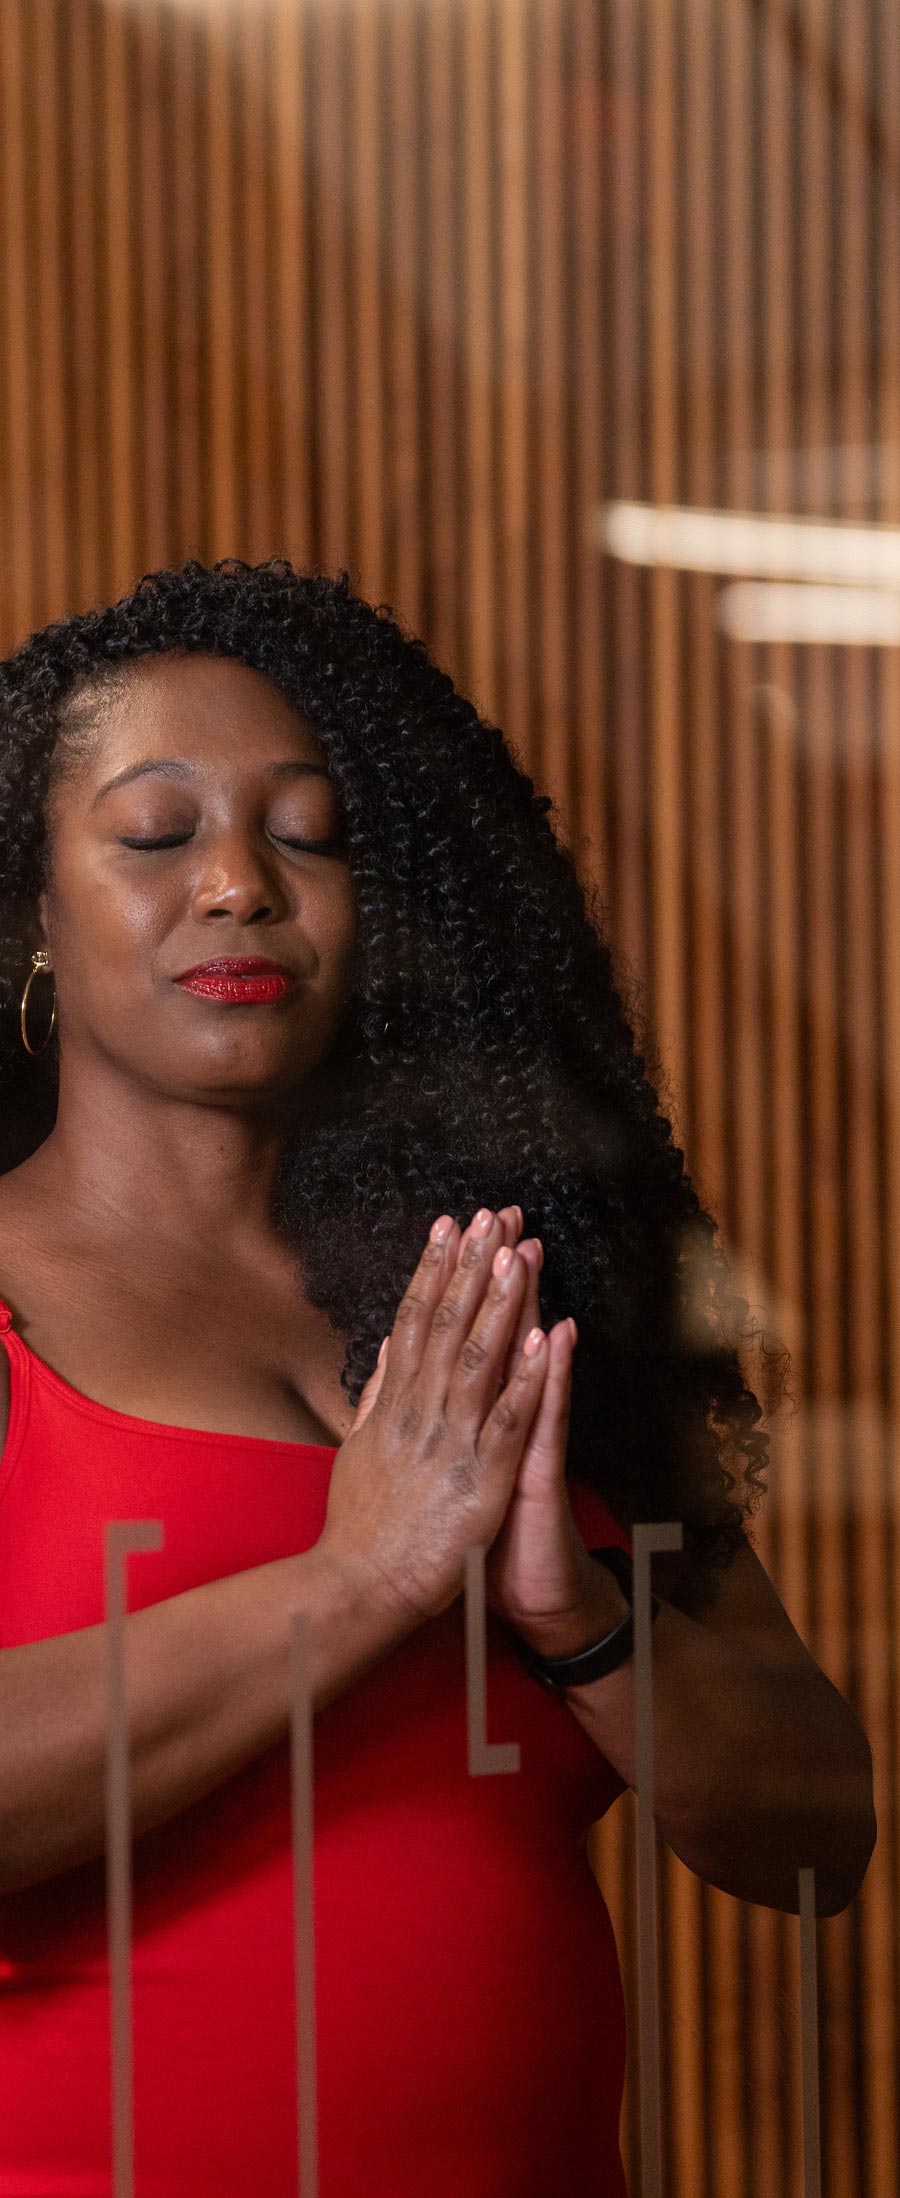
(233, 983)
(256, 966)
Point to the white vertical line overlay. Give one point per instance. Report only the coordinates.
(646, 1539)
(809, 2037)
(121, 1536)
(486, 1758)
(304, 1918)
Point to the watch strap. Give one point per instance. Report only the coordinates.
(600, 1657)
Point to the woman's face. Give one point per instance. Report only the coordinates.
(221, 764)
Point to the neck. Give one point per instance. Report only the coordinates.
(122, 1160)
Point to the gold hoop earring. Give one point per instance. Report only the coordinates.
(39, 961)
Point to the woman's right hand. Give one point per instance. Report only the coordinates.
(430, 1464)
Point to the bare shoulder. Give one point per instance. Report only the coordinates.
(16, 1231)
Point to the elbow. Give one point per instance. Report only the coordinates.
(847, 1837)
(824, 1822)
(837, 1839)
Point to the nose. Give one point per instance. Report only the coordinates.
(237, 879)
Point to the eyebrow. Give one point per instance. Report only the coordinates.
(178, 767)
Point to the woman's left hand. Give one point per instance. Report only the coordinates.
(538, 1575)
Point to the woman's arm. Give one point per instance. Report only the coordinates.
(761, 1768)
(208, 1689)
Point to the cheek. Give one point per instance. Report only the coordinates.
(98, 926)
(337, 927)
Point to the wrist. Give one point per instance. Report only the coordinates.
(355, 1599)
(602, 1607)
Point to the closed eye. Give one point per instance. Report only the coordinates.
(306, 847)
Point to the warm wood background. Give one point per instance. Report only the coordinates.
(416, 286)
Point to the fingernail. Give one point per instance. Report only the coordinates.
(383, 1349)
(440, 1229)
(571, 1324)
(482, 1221)
(533, 1342)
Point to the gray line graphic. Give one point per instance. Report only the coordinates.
(646, 1539)
(809, 2036)
(121, 1536)
(304, 1918)
(486, 1758)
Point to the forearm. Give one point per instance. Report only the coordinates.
(208, 1688)
(757, 1774)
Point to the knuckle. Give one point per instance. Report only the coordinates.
(506, 1416)
(473, 1355)
(435, 1436)
(409, 1309)
(433, 1255)
(446, 1318)
(407, 1419)
(464, 1473)
(473, 1254)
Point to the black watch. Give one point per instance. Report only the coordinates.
(600, 1657)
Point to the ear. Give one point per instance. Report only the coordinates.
(37, 926)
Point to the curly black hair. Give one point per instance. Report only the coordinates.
(486, 1058)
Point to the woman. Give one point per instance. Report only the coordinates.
(217, 1204)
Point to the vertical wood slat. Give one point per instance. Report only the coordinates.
(292, 398)
(515, 136)
(254, 283)
(18, 425)
(188, 246)
(588, 217)
(330, 414)
(886, 1886)
(224, 477)
(551, 746)
(781, 1541)
(403, 324)
(664, 788)
(863, 974)
(691, 1907)
(444, 578)
(370, 331)
(414, 290)
(825, 1306)
(738, 2135)
(626, 479)
(118, 294)
(52, 574)
(479, 664)
(153, 329)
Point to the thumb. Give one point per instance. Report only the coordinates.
(372, 1387)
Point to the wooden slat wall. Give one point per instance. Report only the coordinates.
(417, 286)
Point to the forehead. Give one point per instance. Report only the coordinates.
(211, 705)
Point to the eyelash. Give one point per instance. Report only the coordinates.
(178, 839)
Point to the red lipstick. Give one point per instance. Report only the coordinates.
(246, 982)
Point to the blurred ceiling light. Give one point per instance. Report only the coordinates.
(693, 540)
(774, 610)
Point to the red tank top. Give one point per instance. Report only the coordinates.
(469, 2015)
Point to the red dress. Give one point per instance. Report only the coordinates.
(469, 2015)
